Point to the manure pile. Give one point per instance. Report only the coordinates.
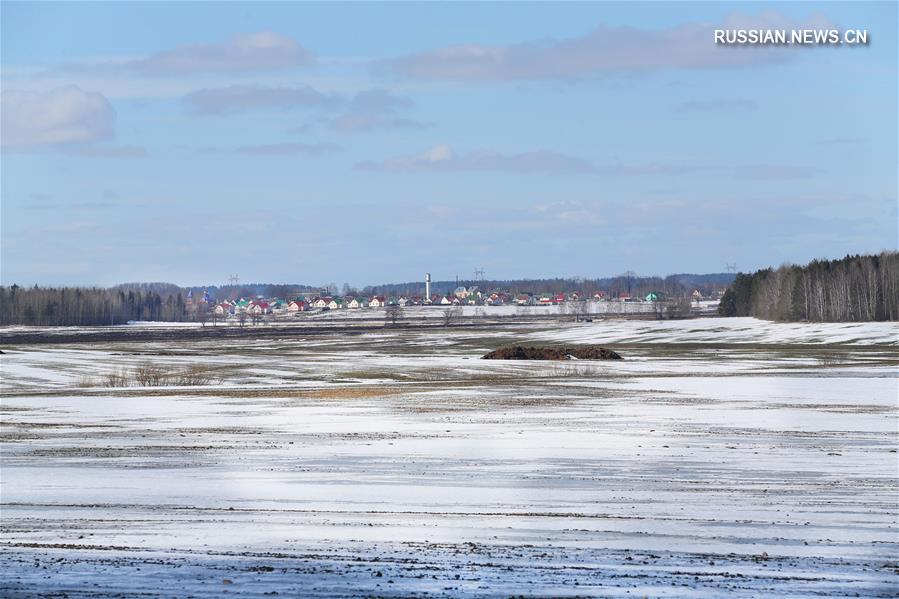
(578, 352)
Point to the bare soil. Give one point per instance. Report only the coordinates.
(580, 352)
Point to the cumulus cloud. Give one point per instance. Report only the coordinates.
(60, 116)
(716, 105)
(240, 98)
(288, 149)
(443, 158)
(606, 49)
(263, 50)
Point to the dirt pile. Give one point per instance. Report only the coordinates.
(577, 352)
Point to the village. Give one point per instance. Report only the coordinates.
(461, 296)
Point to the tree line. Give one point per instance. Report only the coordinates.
(674, 286)
(851, 289)
(43, 306)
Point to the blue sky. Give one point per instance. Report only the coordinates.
(371, 142)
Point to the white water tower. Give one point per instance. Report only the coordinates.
(427, 286)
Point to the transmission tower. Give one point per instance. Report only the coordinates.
(479, 274)
(731, 268)
(233, 279)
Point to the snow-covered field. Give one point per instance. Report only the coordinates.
(753, 459)
(726, 330)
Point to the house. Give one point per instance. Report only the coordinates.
(403, 302)
(297, 306)
(321, 302)
(378, 301)
(655, 296)
(525, 299)
(357, 302)
(336, 303)
(598, 296)
(497, 299)
(221, 309)
(696, 295)
(255, 308)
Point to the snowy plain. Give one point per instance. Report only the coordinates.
(720, 457)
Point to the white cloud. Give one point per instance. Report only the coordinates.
(439, 153)
(264, 50)
(59, 116)
(374, 109)
(606, 49)
(442, 157)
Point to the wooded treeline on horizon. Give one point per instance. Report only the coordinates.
(76, 306)
(851, 289)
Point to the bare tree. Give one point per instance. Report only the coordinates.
(451, 314)
(679, 308)
(202, 314)
(579, 309)
(392, 314)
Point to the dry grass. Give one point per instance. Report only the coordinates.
(353, 392)
(149, 374)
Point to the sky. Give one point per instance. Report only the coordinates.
(373, 142)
